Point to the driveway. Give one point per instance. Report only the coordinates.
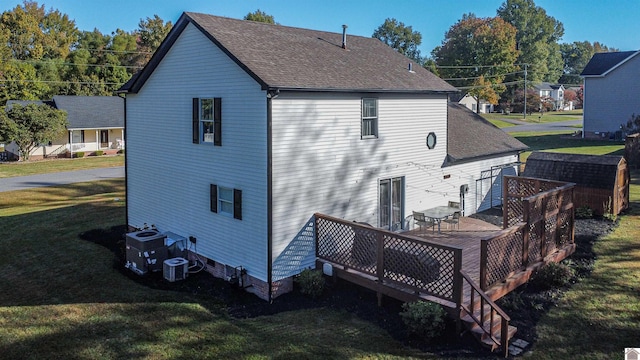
(60, 178)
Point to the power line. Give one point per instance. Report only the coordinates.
(475, 66)
(61, 82)
(486, 77)
(73, 64)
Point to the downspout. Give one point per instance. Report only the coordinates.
(271, 94)
(126, 178)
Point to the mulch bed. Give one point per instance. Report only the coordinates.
(525, 306)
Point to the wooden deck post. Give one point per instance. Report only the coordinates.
(526, 233)
(379, 264)
(484, 253)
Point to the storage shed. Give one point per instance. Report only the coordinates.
(602, 181)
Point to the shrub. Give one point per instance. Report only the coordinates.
(584, 212)
(424, 319)
(79, 154)
(99, 152)
(121, 151)
(552, 275)
(311, 283)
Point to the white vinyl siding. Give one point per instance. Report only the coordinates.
(321, 165)
(169, 177)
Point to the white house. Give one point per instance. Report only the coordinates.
(552, 93)
(611, 87)
(470, 103)
(239, 131)
(96, 123)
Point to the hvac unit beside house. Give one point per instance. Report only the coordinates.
(145, 251)
(176, 269)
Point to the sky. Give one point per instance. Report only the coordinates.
(614, 23)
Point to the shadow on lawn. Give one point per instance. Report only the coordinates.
(338, 295)
(554, 141)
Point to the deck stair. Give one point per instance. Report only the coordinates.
(485, 320)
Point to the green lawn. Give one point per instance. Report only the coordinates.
(600, 316)
(23, 168)
(564, 142)
(553, 116)
(62, 297)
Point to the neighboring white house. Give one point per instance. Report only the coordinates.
(611, 88)
(470, 103)
(257, 127)
(551, 93)
(95, 123)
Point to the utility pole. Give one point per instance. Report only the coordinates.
(525, 91)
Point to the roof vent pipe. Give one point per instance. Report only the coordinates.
(344, 36)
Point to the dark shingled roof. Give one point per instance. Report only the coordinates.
(288, 58)
(470, 136)
(594, 171)
(601, 63)
(92, 112)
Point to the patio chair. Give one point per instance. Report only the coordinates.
(422, 221)
(454, 220)
(454, 204)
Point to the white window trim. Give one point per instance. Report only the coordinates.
(372, 119)
(207, 137)
(222, 201)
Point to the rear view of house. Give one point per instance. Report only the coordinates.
(239, 131)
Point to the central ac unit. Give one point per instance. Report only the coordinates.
(175, 269)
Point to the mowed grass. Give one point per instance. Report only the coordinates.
(547, 117)
(600, 316)
(564, 142)
(24, 168)
(62, 297)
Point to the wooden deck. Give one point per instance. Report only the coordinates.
(468, 236)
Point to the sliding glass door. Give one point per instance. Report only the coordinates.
(391, 208)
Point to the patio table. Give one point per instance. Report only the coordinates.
(439, 213)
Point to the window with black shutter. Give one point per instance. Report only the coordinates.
(225, 200)
(207, 121)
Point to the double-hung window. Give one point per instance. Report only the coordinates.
(224, 200)
(369, 118)
(207, 121)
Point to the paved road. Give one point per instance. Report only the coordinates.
(60, 178)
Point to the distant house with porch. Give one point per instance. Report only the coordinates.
(95, 123)
(611, 87)
(270, 124)
(552, 94)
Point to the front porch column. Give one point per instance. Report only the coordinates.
(97, 140)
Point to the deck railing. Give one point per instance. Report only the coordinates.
(391, 258)
(481, 308)
(540, 219)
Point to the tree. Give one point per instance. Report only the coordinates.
(575, 57)
(476, 55)
(37, 34)
(151, 32)
(537, 38)
(260, 16)
(32, 125)
(400, 37)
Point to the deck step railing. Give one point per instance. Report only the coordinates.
(485, 319)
